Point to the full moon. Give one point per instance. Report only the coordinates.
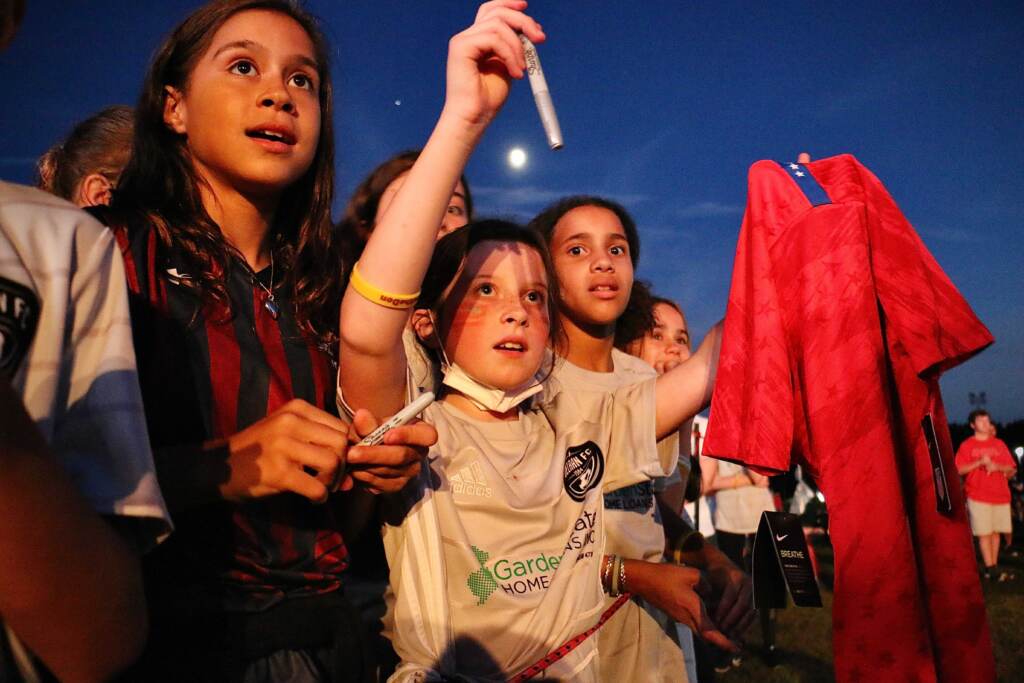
(517, 157)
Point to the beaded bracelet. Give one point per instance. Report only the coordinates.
(376, 295)
(616, 574)
(622, 576)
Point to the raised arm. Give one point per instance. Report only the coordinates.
(685, 390)
(481, 61)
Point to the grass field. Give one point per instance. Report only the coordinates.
(804, 635)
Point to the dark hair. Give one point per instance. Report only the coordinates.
(451, 251)
(161, 185)
(975, 414)
(357, 222)
(546, 220)
(100, 144)
(638, 319)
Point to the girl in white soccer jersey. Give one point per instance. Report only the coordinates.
(495, 550)
(595, 246)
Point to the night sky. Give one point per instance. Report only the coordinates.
(664, 105)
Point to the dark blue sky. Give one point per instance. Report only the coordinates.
(664, 105)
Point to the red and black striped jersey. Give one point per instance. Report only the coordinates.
(207, 375)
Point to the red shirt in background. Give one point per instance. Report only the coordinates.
(982, 485)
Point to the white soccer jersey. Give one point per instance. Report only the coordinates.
(495, 549)
(633, 528)
(633, 640)
(66, 344)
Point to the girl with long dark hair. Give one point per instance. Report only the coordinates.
(223, 214)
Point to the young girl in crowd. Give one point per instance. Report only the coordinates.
(85, 167)
(595, 247)
(223, 213)
(488, 301)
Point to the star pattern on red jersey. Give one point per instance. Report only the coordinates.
(838, 326)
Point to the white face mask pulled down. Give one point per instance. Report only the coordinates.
(483, 396)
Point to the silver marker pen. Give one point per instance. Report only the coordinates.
(541, 94)
(400, 418)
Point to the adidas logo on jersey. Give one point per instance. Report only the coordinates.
(470, 481)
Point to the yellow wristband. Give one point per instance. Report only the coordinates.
(377, 295)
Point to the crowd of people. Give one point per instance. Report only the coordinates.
(187, 372)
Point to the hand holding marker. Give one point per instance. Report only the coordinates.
(541, 94)
(374, 438)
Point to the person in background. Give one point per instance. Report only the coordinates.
(1014, 486)
(78, 496)
(987, 466)
(84, 168)
(374, 195)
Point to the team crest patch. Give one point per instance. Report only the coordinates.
(19, 316)
(584, 468)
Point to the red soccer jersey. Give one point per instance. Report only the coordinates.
(980, 484)
(838, 325)
(208, 377)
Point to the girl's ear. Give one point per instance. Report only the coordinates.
(94, 189)
(174, 109)
(423, 326)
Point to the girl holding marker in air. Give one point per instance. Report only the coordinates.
(506, 514)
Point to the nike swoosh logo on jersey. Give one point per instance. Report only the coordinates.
(781, 537)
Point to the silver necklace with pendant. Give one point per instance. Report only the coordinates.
(272, 308)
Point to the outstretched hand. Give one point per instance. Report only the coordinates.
(484, 58)
(731, 598)
(678, 591)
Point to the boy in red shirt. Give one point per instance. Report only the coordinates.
(986, 463)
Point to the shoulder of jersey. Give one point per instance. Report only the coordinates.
(624, 362)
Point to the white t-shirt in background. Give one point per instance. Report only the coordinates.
(738, 511)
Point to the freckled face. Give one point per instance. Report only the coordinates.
(250, 111)
(455, 216)
(591, 258)
(494, 322)
(668, 342)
